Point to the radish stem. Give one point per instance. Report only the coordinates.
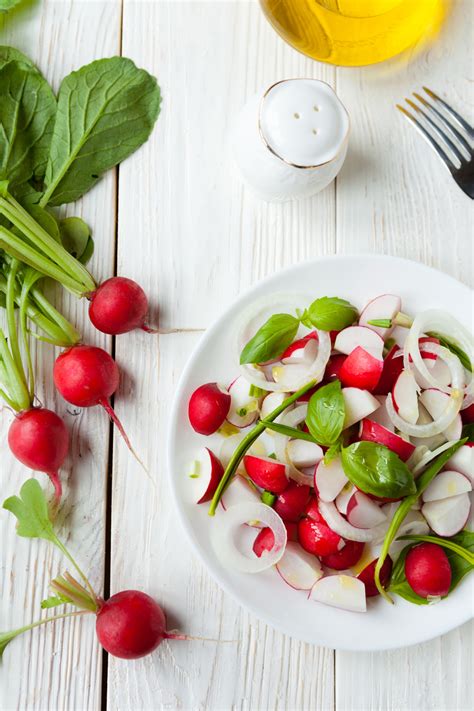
(7, 637)
(249, 439)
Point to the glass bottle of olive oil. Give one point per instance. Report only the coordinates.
(354, 32)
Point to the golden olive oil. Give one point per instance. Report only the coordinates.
(354, 32)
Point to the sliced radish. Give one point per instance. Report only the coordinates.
(463, 461)
(361, 370)
(438, 370)
(436, 403)
(358, 404)
(208, 474)
(343, 498)
(208, 408)
(267, 473)
(299, 569)
(304, 454)
(367, 576)
(386, 306)
(392, 367)
(373, 432)
(270, 403)
(381, 415)
(316, 537)
(229, 445)
(291, 504)
(405, 397)
(350, 338)
(302, 351)
(329, 479)
(343, 528)
(448, 516)
(341, 591)
(446, 484)
(362, 512)
(425, 418)
(225, 539)
(239, 491)
(243, 408)
(265, 538)
(346, 558)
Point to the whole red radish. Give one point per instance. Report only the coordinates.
(291, 504)
(87, 376)
(208, 407)
(265, 539)
(39, 439)
(119, 305)
(428, 571)
(130, 624)
(346, 557)
(368, 576)
(316, 537)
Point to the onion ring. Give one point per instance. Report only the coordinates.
(339, 525)
(292, 419)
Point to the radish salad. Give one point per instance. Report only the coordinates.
(342, 452)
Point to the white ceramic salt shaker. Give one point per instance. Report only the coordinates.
(290, 140)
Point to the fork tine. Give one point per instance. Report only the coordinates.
(446, 122)
(428, 137)
(462, 122)
(437, 129)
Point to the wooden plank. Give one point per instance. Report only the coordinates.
(59, 667)
(395, 196)
(201, 239)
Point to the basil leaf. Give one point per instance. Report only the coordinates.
(106, 110)
(27, 111)
(459, 565)
(326, 414)
(375, 469)
(271, 339)
(330, 313)
(454, 348)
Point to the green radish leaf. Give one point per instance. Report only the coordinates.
(330, 313)
(452, 346)
(106, 110)
(54, 601)
(8, 54)
(5, 639)
(47, 221)
(76, 238)
(27, 113)
(326, 413)
(31, 510)
(375, 469)
(6, 5)
(271, 339)
(460, 567)
(461, 549)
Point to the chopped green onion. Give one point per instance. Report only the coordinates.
(268, 498)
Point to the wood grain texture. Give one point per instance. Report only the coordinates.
(59, 667)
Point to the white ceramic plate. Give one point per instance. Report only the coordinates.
(383, 626)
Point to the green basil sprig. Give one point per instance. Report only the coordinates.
(375, 469)
(460, 552)
(271, 339)
(330, 313)
(326, 414)
(400, 514)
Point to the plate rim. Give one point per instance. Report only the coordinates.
(205, 337)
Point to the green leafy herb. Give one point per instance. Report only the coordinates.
(268, 498)
(331, 313)
(332, 452)
(76, 238)
(460, 550)
(8, 54)
(326, 413)
(106, 110)
(54, 601)
(452, 346)
(376, 470)
(271, 339)
(400, 514)
(27, 111)
(6, 5)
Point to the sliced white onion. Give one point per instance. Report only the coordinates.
(292, 419)
(431, 428)
(442, 322)
(338, 524)
(426, 458)
(226, 528)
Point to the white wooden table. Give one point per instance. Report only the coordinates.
(176, 218)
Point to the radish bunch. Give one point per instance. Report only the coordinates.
(342, 434)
